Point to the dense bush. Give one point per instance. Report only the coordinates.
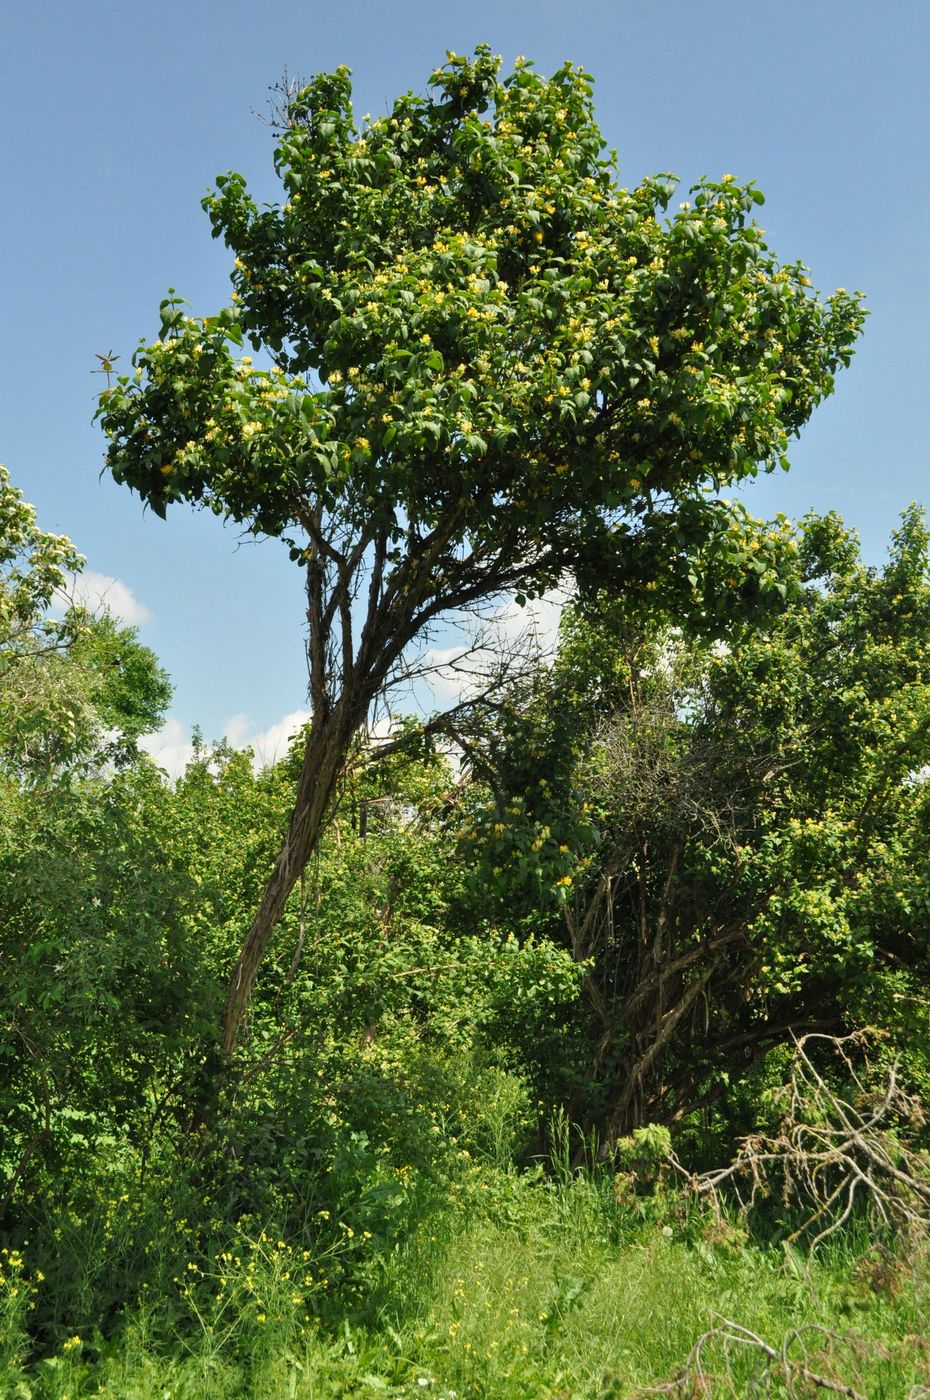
(728, 837)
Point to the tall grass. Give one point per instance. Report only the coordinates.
(523, 1286)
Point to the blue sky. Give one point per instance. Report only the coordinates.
(115, 118)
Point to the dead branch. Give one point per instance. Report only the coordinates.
(778, 1362)
(833, 1152)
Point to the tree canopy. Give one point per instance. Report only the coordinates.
(73, 687)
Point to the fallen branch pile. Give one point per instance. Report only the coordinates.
(833, 1151)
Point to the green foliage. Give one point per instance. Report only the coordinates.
(76, 690)
(645, 1149)
(440, 1160)
(99, 993)
(528, 1289)
(492, 366)
(729, 839)
(34, 710)
(226, 824)
(491, 315)
(361, 1217)
(103, 996)
(126, 689)
(33, 566)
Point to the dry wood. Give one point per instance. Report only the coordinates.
(778, 1362)
(834, 1152)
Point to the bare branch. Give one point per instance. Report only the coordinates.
(778, 1361)
(832, 1154)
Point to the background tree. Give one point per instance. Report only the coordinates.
(492, 366)
(99, 987)
(34, 565)
(66, 683)
(730, 840)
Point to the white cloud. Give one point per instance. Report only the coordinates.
(101, 593)
(268, 744)
(170, 746)
(451, 673)
(236, 730)
(522, 633)
(538, 621)
(172, 749)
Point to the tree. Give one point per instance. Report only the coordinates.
(491, 366)
(65, 682)
(732, 841)
(34, 565)
(99, 981)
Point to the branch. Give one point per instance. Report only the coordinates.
(828, 1152)
(695, 1380)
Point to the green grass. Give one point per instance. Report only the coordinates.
(519, 1288)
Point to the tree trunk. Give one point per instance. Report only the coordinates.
(324, 758)
(647, 1048)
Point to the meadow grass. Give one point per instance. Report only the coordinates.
(522, 1287)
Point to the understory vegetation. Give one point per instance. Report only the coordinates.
(587, 1061)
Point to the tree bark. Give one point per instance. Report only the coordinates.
(324, 758)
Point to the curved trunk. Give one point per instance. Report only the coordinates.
(324, 758)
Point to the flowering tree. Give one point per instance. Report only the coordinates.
(491, 365)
